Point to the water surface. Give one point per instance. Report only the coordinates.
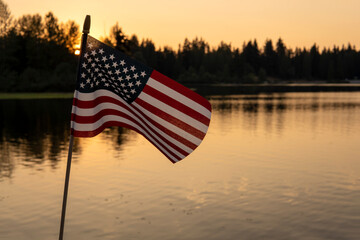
(272, 166)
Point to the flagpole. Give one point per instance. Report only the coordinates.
(86, 30)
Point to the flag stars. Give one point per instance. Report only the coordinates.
(130, 84)
(104, 58)
(128, 77)
(90, 60)
(133, 91)
(136, 76)
(82, 85)
(107, 66)
(88, 80)
(117, 72)
(138, 83)
(84, 65)
(125, 70)
(86, 55)
(143, 74)
(90, 45)
(133, 68)
(93, 53)
(115, 64)
(106, 84)
(120, 78)
(112, 57)
(101, 51)
(122, 63)
(83, 75)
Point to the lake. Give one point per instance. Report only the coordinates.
(272, 166)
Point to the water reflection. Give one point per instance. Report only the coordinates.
(35, 132)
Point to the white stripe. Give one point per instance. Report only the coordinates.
(179, 97)
(98, 108)
(169, 126)
(93, 111)
(173, 112)
(107, 118)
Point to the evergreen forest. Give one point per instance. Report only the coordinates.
(37, 54)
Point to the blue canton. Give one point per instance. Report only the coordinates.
(102, 67)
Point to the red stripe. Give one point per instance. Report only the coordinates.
(176, 104)
(181, 89)
(171, 119)
(104, 112)
(99, 100)
(110, 124)
(94, 118)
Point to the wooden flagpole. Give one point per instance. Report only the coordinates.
(86, 30)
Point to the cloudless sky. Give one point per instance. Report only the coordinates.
(300, 23)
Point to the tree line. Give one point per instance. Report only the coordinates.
(37, 54)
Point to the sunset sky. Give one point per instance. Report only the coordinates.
(300, 23)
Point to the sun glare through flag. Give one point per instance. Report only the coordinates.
(115, 90)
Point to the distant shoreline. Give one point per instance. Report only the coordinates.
(215, 89)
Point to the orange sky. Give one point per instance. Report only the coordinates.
(299, 23)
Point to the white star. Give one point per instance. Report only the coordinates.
(128, 77)
(93, 53)
(132, 68)
(143, 74)
(125, 90)
(92, 85)
(82, 85)
(103, 80)
(122, 63)
(138, 83)
(101, 51)
(106, 84)
(117, 72)
(133, 91)
(100, 74)
(97, 83)
(115, 64)
(112, 57)
(107, 66)
(88, 80)
(86, 55)
(84, 65)
(96, 69)
(130, 84)
(120, 79)
(135, 76)
(97, 59)
(104, 58)
(125, 70)
(93, 65)
(90, 60)
(83, 75)
(122, 85)
(128, 96)
(90, 45)
(110, 72)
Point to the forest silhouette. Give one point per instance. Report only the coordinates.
(37, 54)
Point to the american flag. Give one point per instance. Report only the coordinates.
(115, 90)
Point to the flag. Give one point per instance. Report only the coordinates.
(114, 90)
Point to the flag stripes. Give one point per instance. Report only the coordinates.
(173, 118)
